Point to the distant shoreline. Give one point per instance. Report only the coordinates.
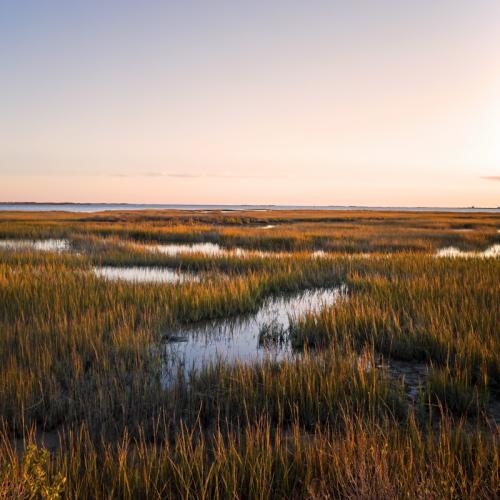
(98, 207)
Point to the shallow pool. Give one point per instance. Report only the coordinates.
(209, 249)
(49, 245)
(237, 339)
(493, 251)
(143, 274)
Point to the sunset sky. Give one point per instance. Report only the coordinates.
(393, 103)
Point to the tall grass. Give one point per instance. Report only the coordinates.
(80, 356)
(260, 462)
(351, 231)
(68, 336)
(303, 389)
(419, 308)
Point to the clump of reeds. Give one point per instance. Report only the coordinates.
(273, 333)
(317, 390)
(457, 390)
(80, 356)
(366, 460)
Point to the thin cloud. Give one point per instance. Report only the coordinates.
(152, 174)
(491, 177)
(174, 174)
(191, 176)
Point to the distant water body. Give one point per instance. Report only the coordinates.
(101, 207)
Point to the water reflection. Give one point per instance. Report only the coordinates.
(493, 251)
(237, 339)
(49, 245)
(209, 249)
(143, 274)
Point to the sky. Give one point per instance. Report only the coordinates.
(387, 103)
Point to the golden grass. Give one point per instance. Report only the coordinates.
(79, 356)
(343, 231)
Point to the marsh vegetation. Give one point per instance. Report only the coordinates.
(272, 373)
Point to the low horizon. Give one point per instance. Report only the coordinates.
(277, 205)
(275, 272)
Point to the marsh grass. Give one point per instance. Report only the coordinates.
(365, 461)
(316, 391)
(417, 308)
(79, 356)
(350, 231)
(456, 391)
(273, 333)
(68, 336)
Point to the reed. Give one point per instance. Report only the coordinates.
(303, 390)
(81, 359)
(342, 231)
(417, 308)
(365, 461)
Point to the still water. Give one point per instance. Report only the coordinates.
(144, 274)
(210, 249)
(493, 251)
(50, 245)
(237, 339)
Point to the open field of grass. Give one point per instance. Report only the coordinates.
(81, 359)
(349, 231)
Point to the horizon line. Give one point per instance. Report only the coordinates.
(242, 205)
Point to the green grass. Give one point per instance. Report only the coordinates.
(342, 231)
(417, 308)
(79, 356)
(367, 461)
(457, 391)
(304, 390)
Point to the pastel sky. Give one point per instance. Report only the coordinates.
(364, 102)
